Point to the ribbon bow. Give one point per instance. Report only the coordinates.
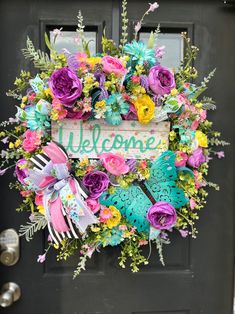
(63, 197)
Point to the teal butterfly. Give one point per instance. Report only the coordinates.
(133, 202)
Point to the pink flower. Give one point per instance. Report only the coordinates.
(192, 203)
(25, 193)
(143, 242)
(122, 227)
(105, 214)
(113, 65)
(220, 154)
(39, 199)
(153, 6)
(32, 141)
(194, 125)
(135, 79)
(159, 52)
(181, 159)
(41, 258)
(114, 164)
(137, 27)
(93, 204)
(203, 115)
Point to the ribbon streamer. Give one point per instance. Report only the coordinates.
(63, 197)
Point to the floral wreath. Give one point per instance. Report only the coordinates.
(90, 203)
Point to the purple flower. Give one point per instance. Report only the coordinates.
(197, 158)
(184, 233)
(161, 80)
(220, 154)
(65, 86)
(21, 171)
(3, 171)
(137, 27)
(162, 215)
(132, 114)
(96, 182)
(41, 258)
(5, 140)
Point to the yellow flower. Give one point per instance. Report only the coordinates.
(201, 139)
(198, 105)
(115, 219)
(138, 90)
(41, 209)
(174, 92)
(100, 104)
(17, 143)
(145, 109)
(172, 135)
(24, 99)
(95, 229)
(69, 197)
(11, 145)
(54, 115)
(84, 162)
(93, 61)
(48, 92)
(22, 106)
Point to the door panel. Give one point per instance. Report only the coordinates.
(198, 273)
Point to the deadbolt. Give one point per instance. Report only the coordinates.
(10, 293)
(9, 247)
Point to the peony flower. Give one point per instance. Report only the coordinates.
(201, 139)
(162, 215)
(197, 158)
(65, 86)
(181, 159)
(21, 170)
(145, 109)
(113, 65)
(32, 141)
(114, 163)
(96, 182)
(161, 80)
(93, 204)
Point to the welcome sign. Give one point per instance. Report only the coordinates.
(131, 139)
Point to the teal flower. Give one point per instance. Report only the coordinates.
(116, 237)
(139, 53)
(115, 106)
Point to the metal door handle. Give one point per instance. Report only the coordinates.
(9, 247)
(10, 293)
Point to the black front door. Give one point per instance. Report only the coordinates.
(198, 273)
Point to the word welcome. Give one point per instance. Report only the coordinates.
(90, 138)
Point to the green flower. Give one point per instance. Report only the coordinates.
(115, 106)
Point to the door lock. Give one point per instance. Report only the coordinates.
(9, 247)
(9, 294)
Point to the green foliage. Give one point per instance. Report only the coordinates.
(40, 59)
(124, 34)
(108, 46)
(38, 222)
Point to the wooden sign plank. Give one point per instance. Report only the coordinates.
(131, 139)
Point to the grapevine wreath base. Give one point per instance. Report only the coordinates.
(111, 149)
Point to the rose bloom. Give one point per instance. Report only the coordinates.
(161, 80)
(197, 158)
(96, 182)
(181, 159)
(113, 65)
(162, 215)
(32, 141)
(21, 171)
(93, 204)
(65, 86)
(114, 164)
(145, 109)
